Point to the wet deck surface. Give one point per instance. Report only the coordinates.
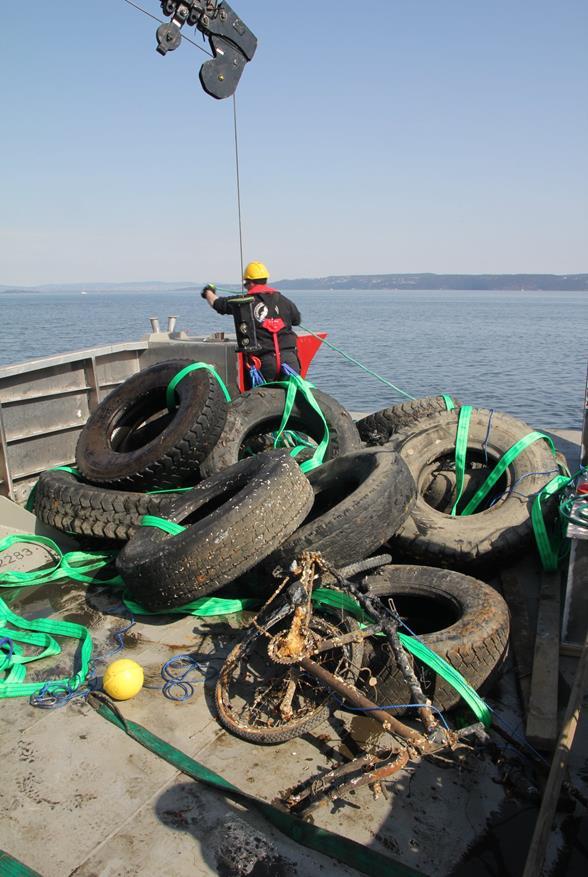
(80, 797)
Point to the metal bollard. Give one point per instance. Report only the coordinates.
(171, 324)
(154, 324)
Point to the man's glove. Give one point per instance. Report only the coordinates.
(210, 287)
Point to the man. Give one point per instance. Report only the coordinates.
(274, 316)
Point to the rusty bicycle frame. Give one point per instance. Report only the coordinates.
(296, 646)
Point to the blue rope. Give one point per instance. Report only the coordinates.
(288, 371)
(8, 652)
(174, 679)
(118, 637)
(521, 739)
(256, 377)
(395, 706)
(56, 698)
(511, 490)
(485, 442)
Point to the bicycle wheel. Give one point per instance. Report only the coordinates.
(263, 701)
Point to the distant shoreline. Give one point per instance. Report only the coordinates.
(363, 282)
(455, 282)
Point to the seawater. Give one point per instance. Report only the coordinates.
(520, 352)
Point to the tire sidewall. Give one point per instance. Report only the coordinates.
(481, 609)
(95, 456)
(249, 412)
(475, 644)
(498, 530)
(380, 496)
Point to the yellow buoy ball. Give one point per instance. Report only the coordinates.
(123, 679)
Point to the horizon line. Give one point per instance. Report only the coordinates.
(290, 279)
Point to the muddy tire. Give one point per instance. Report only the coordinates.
(360, 500)
(502, 525)
(70, 505)
(258, 412)
(132, 441)
(233, 520)
(461, 619)
(441, 491)
(379, 427)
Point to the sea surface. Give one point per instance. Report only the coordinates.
(520, 352)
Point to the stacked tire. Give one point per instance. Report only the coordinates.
(500, 527)
(188, 486)
(461, 619)
(137, 455)
(379, 427)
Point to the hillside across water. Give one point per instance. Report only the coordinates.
(473, 282)
(564, 282)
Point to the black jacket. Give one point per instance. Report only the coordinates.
(269, 304)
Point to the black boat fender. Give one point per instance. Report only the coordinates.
(133, 441)
(461, 619)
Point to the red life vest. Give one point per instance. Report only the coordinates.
(259, 288)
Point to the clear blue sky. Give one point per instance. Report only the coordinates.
(374, 137)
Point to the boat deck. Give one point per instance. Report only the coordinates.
(81, 797)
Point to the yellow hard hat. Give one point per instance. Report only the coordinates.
(255, 271)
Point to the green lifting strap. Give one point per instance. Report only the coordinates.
(72, 565)
(449, 403)
(162, 524)
(40, 632)
(292, 386)
(461, 447)
(170, 392)
(461, 450)
(93, 562)
(170, 490)
(451, 675)
(548, 551)
(338, 847)
(10, 867)
(37, 633)
(42, 640)
(340, 600)
(202, 607)
(502, 465)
